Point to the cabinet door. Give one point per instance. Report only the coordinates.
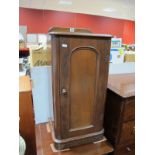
(83, 81)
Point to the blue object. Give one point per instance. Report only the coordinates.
(110, 56)
(42, 93)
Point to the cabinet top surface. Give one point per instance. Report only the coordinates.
(81, 34)
(122, 84)
(24, 84)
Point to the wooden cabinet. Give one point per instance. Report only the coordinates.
(120, 114)
(26, 114)
(80, 72)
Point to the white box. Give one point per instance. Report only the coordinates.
(116, 55)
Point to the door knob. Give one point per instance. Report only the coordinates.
(128, 149)
(63, 91)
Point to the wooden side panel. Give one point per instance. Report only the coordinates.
(27, 123)
(127, 132)
(55, 85)
(82, 87)
(129, 109)
(26, 114)
(113, 114)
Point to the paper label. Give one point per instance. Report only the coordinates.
(64, 45)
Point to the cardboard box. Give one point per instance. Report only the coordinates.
(22, 44)
(40, 57)
(129, 58)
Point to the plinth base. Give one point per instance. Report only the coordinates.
(76, 141)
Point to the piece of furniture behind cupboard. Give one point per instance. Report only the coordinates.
(26, 114)
(120, 114)
(80, 72)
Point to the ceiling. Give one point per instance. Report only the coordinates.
(122, 9)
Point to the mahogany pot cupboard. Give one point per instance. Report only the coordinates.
(80, 64)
